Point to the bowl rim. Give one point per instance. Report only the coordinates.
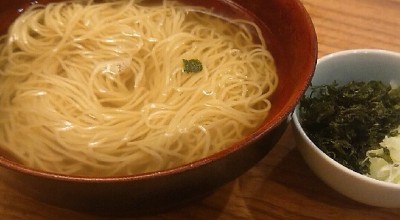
(261, 131)
(356, 52)
(315, 148)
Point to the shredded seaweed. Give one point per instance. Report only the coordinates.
(347, 121)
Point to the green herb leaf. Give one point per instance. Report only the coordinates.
(192, 66)
(385, 155)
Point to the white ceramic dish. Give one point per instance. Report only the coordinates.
(345, 66)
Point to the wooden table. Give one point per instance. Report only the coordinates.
(281, 186)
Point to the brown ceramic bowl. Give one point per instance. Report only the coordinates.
(291, 38)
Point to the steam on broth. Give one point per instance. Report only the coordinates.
(98, 88)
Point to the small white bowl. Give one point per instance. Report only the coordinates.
(345, 66)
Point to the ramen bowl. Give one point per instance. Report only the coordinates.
(290, 36)
(345, 66)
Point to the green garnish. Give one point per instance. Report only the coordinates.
(347, 121)
(192, 66)
(385, 155)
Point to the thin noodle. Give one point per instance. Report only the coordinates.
(98, 89)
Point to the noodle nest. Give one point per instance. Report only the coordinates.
(98, 89)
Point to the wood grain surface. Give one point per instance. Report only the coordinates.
(281, 186)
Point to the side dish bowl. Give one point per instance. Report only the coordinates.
(343, 67)
(291, 38)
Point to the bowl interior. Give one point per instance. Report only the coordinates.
(288, 32)
(358, 65)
